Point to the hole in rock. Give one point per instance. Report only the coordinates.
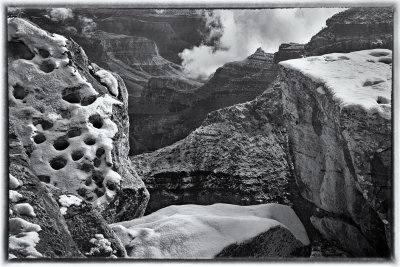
(58, 163)
(47, 66)
(61, 143)
(98, 178)
(88, 181)
(99, 152)
(90, 141)
(344, 58)
(73, 97)
(73, 132)
(44, 53)
(386, 60)
(370, 83)
(379, 53)
(19, 92)
(77, 155)
(96, 162)
(86, 167)
(96, 120)
(18, 50)
(87, 100)
(382, 100)
(111, 186)
(46, 124)
(89, 198)
(82, 192)
(98, 192)
(39, 138)
(44, 178)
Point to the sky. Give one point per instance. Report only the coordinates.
(241, 32)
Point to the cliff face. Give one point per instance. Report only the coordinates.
(354, 29)
(289, 51)
(69, 128)
(338, 113)
(161, 119)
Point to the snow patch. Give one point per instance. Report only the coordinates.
(25, 244)
(14, 183)
(109, 80)
(354, 79)
(194, 231)
(25, 209)
(102, 247)
(67, 201)
(14, 196)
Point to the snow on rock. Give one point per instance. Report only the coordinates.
(362, 78)
(14, 183)
(25, 209)
(194, 231)
(67, 201)
(102, 247)
(109, 80)
(25, 244)
(18, 225)
(14, 196)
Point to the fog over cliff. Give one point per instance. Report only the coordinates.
(240, 32)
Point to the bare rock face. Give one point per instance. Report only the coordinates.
(70, 118)
(236, 156)
(338, 113)
(354, 29)
(289, 51)
(164, 118)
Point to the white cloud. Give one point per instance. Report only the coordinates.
(243, 31)
(60, 14)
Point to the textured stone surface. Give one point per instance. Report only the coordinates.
(336, 137)
(345, 235)
(289, 51)
(354, 29)
(237, 156)
(278, 242)
(69, 134)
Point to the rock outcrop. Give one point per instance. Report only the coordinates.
(69, 129)
(289, 51)
(354, 29)
(338, 113)
(219, 230)
(236, 156)
(164, 118)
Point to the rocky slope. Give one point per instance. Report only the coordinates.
(289, 51)
(68, 149)
(354, 29)
(338, 114)
(174, 111)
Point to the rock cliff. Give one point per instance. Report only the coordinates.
(69, 140)
(338, 113)
(236, 156)
(354, 29)
(164, 118)
(289, 51)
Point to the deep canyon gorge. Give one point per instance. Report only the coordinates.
(116, 152)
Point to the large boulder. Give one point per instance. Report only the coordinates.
(338, 114)
(223, 230)
(70, 118)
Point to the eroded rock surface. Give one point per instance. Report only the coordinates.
(338, 112)
(237, 156)
(354, 29)
(70, 119)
